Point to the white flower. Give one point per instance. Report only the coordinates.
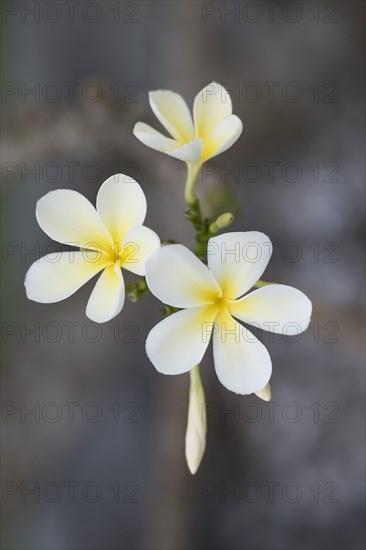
(109, 237)
(214, 130)
(211, 297)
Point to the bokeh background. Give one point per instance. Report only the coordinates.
(112, 475)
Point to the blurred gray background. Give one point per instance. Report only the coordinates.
(113, 474)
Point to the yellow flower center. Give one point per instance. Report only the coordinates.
(221, 303)
(118, 254)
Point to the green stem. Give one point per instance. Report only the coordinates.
(195, 378)
(189, 192)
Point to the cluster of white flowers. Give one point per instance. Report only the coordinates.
(206, 300)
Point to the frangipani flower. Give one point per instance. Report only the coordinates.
(212, 298)
(212, 131)
(109, 237)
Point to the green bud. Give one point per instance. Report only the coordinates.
(132, 296)
(222, 221)
(135, 290)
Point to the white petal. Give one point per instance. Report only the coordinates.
(121, 204)
(238, 260)
(139, 244)
(154, 139)
(108, 296)
(277, 308)
(223, 136)
(178, 343)
(242, 363)
(172, 111)
(69, 218)
(178, 278)
(191, 152)
(211, 105)
(57, 276)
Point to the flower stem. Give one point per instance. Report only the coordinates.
(204, 228)
(195, 378)
(189, 192)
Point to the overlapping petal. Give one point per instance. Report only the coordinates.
(242, 363)
(121, 204)
(154, 139)
(277, 308)
(178, 278)
(223, 136)
(107, 297)
(69, 218)
(237, 260)
(211, 105)
(58, 275)
(190, 152)
(178, 343)
(139, 244)
(173, 113)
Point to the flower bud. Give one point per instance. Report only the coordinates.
(196, 426)
(265, 394)
(222, 222)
